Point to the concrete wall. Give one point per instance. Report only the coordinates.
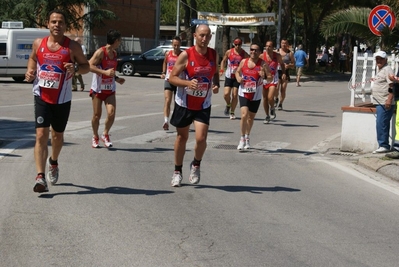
(358, 132)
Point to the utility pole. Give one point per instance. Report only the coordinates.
(279, 25)
(178, 18)
(157, 21)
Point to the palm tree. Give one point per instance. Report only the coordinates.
(354, 21)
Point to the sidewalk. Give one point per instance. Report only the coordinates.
(328, 76)
(375, 162)
(381, 164)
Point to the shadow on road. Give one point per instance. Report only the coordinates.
(249, 189)
(151, 150)
(109, 190)
(293, 125)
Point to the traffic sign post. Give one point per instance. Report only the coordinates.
(380, 17)
(199, 21)
(251, 36)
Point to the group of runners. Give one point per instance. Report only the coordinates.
(191, 77)
(249, 78)
(273, 91)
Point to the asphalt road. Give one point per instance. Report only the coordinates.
(282, 204)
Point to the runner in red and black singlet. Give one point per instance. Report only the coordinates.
(53, 82)
(168, 64)
(233, 58)
(202, 69)
(51, 65)
(103, 85)
(103, 65)
(196, 76)
(273, 59)
(289, 63)
(250, 74)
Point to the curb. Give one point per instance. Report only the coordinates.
(384, 166)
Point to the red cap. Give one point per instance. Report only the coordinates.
(237, 42)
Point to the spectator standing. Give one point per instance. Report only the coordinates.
(382, 91)
(342, 61)
(301, 60)
(395, 153)
(326, 60)
(78, 76)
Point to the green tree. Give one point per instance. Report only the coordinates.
(355, 22)
(226, 30)
(34, 12)
(168, 12)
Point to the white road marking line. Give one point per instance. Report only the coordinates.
(9, 148)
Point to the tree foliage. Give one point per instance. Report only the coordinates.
(312, 22)
(354, 21)
(34, 12)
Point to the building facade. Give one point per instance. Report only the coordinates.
(135, 18)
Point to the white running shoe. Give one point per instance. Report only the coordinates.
(232, 116)
(381, 149)
(176, 179)
(94, 142)
(273, 113)
(52, 175)
(227, 111)
(241, 144)
(247, 145)
(267, 120)
(106, 140)
(195, 174)
(40, 184)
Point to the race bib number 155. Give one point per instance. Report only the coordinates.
(201, 90)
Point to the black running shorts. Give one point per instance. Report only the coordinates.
(253, 106)
(183, 117)
(231, 83)
(55, 115)
(169, 86)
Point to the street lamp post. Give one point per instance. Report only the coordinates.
(178, 18)
(279, 25)
(157, 21)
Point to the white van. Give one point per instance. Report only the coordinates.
(15, 48)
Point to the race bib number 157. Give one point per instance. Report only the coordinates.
(49, 80)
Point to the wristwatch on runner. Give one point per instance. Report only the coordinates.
(76, 66)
